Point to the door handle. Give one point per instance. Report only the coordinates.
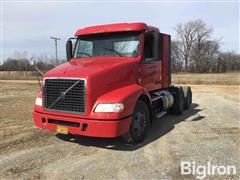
(158, 82)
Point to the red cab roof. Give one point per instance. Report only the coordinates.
(112, 28)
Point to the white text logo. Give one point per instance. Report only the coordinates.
(201, 171)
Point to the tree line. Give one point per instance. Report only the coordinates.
(12, 64)
(21, 62)
(193, 50)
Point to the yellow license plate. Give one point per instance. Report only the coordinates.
(62, 130)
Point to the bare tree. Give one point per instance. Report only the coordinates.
(176, 56)
(198, 45)
(186, 35)
(205, 61)
(228, 61)
(204, 45)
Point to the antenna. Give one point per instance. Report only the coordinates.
(55, 39)
(39, 71)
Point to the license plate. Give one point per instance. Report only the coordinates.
(62, 130)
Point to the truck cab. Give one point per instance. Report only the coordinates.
(116, 79)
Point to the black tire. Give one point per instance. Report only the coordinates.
(139, 125)
(178, 104)
(187, 97)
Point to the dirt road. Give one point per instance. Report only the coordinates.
(209, 131)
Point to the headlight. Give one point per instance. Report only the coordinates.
(38, 101)
(118, 107)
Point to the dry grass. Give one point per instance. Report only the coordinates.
(208, 78)
(209, 130)
(177, 78)
(18, 75)
(16, 102)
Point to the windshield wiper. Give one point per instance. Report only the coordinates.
(89, 55)
(113, 50)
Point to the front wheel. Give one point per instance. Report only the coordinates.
(139, 124)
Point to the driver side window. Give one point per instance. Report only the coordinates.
(148, 47)
(151, 46)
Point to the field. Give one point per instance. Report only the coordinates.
(18, 75)
(209, 131)
(178, 78)
(208, 79)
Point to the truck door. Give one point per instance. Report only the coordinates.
(151, 62)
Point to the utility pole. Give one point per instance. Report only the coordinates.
(56, 39)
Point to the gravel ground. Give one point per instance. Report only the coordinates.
(209, 131)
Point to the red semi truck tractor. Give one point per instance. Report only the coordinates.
(116, 80)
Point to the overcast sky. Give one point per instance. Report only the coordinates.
(28, 26)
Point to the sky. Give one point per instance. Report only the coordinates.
(27, 26)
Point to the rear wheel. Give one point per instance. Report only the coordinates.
(187, 97)
(178, 104)
(139, 124)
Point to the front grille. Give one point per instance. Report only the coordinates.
(73, 100)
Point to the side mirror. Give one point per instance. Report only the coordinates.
(69, 50)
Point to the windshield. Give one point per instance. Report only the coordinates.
(108, 44)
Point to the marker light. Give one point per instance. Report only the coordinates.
(38, 101)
